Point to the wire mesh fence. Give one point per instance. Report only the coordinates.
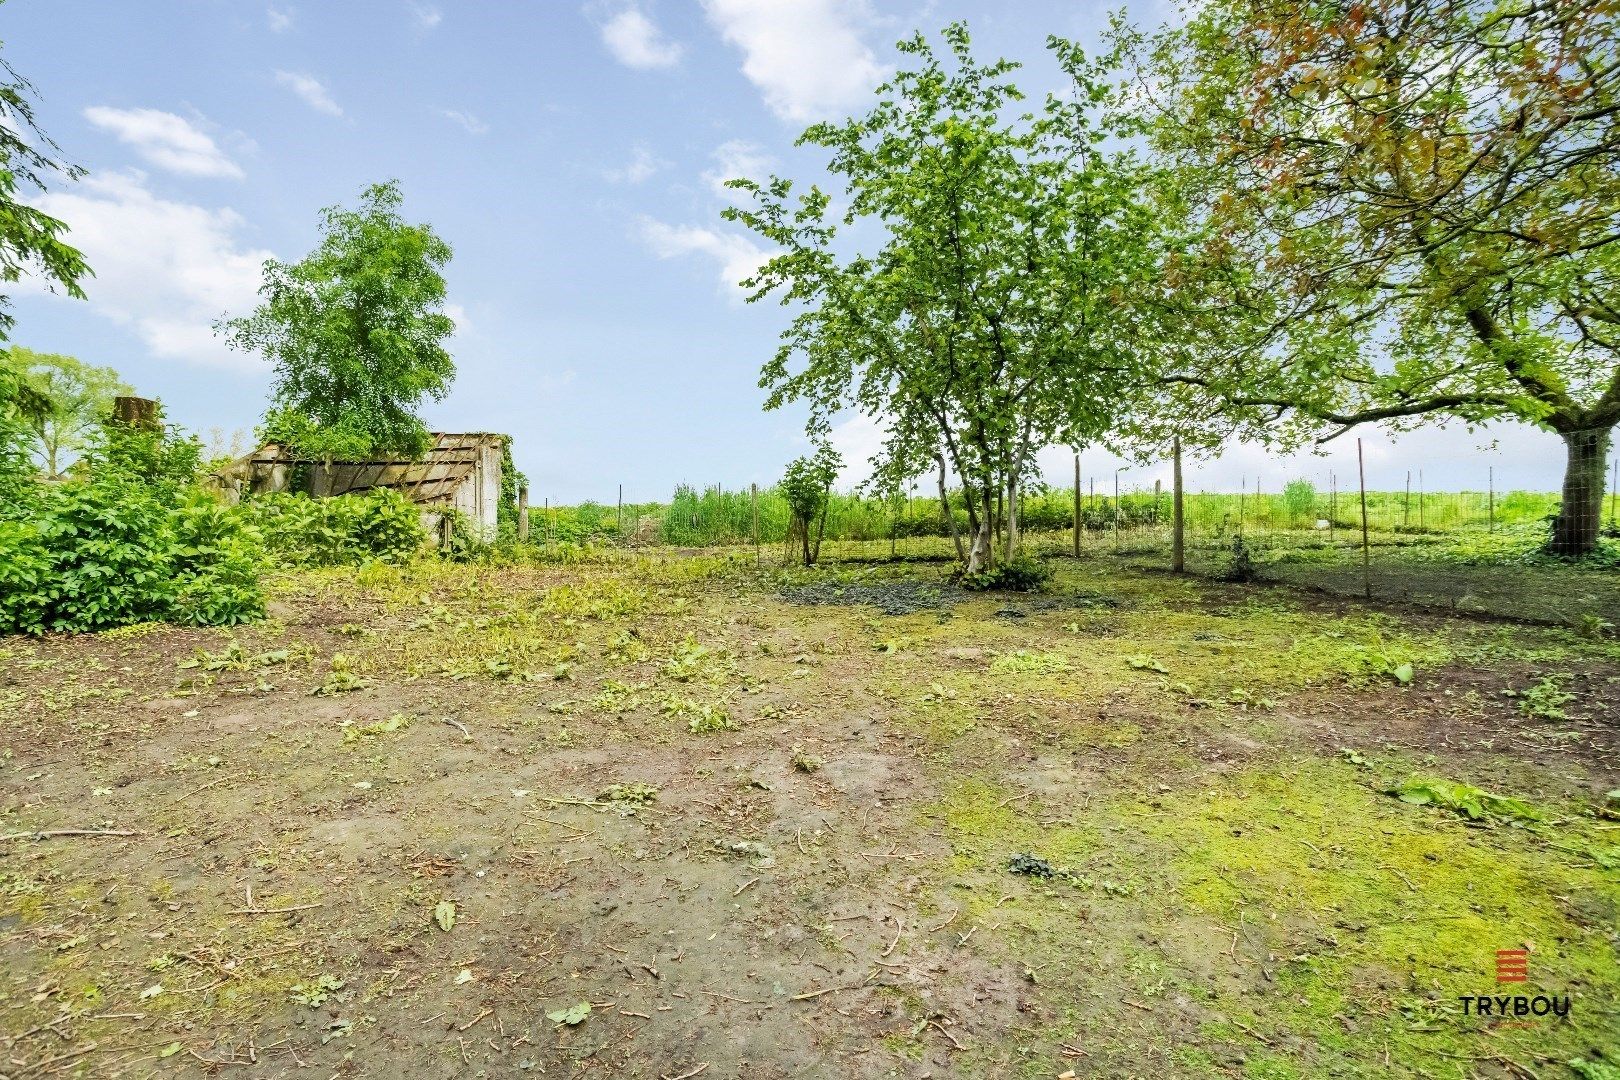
(1491, 550)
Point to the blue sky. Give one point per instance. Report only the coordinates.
(570, 153)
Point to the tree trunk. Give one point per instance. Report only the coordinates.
(1580, 513)
(979, 555)
(1012, 518)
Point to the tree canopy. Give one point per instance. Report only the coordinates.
(355, 332)
(1415, 212)
(30, 240)
(995, 314)
(80, 396)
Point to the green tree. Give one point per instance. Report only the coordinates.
(996, 315)
(80, 396)
(807, 487)
(1418, 215)
(355, 332)
(30, 242)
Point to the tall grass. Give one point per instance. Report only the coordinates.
(715, 515)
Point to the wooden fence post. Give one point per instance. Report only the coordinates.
(1077, 505)
(753, 504)
(523, 513)
(621, 510)
(1366, 550)
(1178, 520)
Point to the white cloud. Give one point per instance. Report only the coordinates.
(738, 256)
(737, 159)
(635, 40)
(310, 90)
(644, 164)
(280, 19)
(805, 56)
(426, 16)
(467, 120)
(166, 140)
(164, 269)
(858, 440)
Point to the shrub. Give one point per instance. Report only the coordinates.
(1299, 501)
(109, 551)
(1020, 574)
(348, 529)
(1241, 567)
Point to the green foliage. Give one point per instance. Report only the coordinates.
(1545, 699)
(109, 551)
(159, 456)
(998, 313)
(355, 333)
(806, 486)
(30, 238)
(81, 395)
(1241, 567)
(1022, 573)
(1480, 285)
(379, 524)
(1474, 803)
(1299, 501)
(132, 540)
(512, 481)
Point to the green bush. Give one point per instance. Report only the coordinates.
(106, 552)
(1023, 573)
(349, 529)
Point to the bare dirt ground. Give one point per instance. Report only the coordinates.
(681, 817)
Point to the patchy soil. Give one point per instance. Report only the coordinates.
(684, 816)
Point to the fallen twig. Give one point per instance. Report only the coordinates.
(271, 910)
(943, 1030)
(46, 834)
(457, 724)
(687, 1075)
(897, 933)
(826, 990)
(743, 886)
(474, 1020)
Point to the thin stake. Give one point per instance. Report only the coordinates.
(1366, 550)
(1116, 509)
(1406, 506)
(1490, 506)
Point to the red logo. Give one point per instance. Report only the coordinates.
(1512, 965)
